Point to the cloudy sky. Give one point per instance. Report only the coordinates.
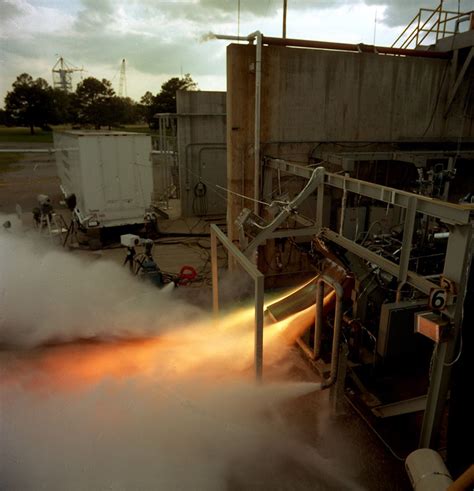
(160, 39)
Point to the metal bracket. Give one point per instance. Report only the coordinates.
(317, 177)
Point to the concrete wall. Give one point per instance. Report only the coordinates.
(311, 96)
(202, 149)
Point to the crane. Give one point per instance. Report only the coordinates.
(62, 74)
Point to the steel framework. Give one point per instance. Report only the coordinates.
(456, 265)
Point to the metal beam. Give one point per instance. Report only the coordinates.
(457, 84)
(447, 212)
(456, 268)
(259, 305)
(317, 177)
(293, 232)
(376, 50)
(295, 169)
(215, 276)
(413, 279)
(400, 407)
(408, 230)
(417, 158)
(259, 279)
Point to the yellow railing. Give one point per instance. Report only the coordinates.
(438, 22)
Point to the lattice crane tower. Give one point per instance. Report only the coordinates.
(62, 74)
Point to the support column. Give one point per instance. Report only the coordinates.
(456, 268)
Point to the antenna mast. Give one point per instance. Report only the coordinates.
(62, 75)
(122, 91)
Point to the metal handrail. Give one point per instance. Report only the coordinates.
(421, 30)
(416, 31)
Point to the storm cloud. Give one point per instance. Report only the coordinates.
(161, 38)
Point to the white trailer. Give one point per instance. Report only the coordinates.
(109, 172)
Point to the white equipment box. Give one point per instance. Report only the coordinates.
(110, 172)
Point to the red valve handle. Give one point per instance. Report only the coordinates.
(186, 274)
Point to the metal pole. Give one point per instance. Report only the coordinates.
(285, 6)
(318, 320)
(456, 268)
(418, 28)
(238, 18)
(215, 277)
(450, 167)
(320, 206)
(259, 279)
(336, 337)
(337, 392)
(259, 299)
(438, 24)
(258, 91)
(407, 239)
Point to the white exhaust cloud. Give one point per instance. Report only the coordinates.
(177, 409)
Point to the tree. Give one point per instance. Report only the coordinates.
(165, 101)
(129, 111)
(62, 104)
(147, 107)
(30, 103)
(3, 117)
(93, 102)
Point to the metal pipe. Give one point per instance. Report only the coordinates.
(258, 91)
(398, 295)
(336, 335)
(318, 320)
(384, 50)
(257, 36)
(305, 348)
(227, 37)
(335, 343)
(285, 7)
(215, 274)
(467, 18)
(259, 315)
(29, 150)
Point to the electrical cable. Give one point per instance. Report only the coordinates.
(379, 436)
(243, 196)
(200, 204)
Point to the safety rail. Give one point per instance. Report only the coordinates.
(258, 278)
(439, 22)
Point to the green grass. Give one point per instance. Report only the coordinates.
(7, 159)
(17, 134)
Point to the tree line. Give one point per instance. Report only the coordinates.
(34, 103)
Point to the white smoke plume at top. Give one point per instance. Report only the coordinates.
(176, 409)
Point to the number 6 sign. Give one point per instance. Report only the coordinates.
(438, 298)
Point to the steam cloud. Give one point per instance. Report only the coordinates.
(177, 410)
(47, 295)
